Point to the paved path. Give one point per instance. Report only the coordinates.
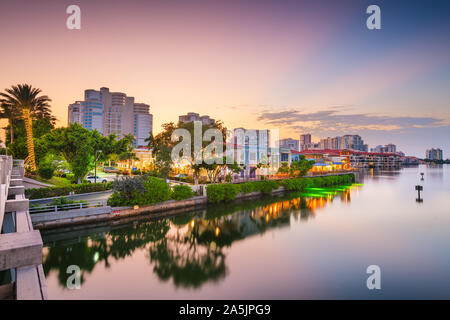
(87, 197)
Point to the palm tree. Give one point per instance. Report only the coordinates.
(27, 100)
(9, 112)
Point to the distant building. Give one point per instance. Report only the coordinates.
(142, 123)
(389, 148)
(289, 143)
(253, 147)
(192, 116)
(112, 113)
(353, 142)
(305, 141)
(410, 161)
(359, 159)
(434, 154)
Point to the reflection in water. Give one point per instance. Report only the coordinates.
(188, 249)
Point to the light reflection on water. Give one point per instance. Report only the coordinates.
(312, 245)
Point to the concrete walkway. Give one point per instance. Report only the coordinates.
(31, 183)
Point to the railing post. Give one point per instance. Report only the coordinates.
(56, 208)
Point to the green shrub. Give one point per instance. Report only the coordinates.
(247, 187)
(215, 193)
(181, 192)
(38, 193)
(89, 187)
(116, 200)
(139, 190)
(156, 190)
(268, 186)
(46, 171)
(230, 191)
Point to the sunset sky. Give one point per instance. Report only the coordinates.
(299, 66)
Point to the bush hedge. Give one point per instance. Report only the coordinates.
(149, 190)
(181, 192)
(46, 171)
(226, 192)
(38, 193)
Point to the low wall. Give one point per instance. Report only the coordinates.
(101, 214)
(69, 214)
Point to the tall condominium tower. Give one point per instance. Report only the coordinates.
(434, 154)
(305, 141)
(112, 113)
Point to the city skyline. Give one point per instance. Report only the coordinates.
(296, 67)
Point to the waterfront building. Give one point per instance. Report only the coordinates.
(192, 116)
(112, 113)
(410, 161)
(289, 143)
(358, 159)
(434, 154)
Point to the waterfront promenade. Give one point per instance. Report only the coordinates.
(22, 275)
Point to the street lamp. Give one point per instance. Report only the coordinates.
(95, 163)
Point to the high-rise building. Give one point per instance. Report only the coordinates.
(142, 123)
(112, 113)
(434, 154)
(289, 143)
(305, 141)
(192, 116)
(353, 142)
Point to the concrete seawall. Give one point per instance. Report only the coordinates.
(103, 214)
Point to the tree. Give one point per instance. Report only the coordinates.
(301, 167)
(125, 146)
(11, 113)
(25, 100)
(163, 145)
(284, 168)
(19, 148)
(78, 145)
(215, 169)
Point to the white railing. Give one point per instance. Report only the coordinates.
(67, 207)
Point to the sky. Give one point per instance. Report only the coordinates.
(296, 66)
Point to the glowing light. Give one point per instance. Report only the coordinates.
(217, 231)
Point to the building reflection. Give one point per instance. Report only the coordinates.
(189, 249)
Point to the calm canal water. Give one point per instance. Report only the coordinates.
(313, 245)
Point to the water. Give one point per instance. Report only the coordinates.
(296, 246)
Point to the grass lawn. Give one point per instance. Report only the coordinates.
(56, 181)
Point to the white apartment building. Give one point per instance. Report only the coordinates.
(112, 113)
